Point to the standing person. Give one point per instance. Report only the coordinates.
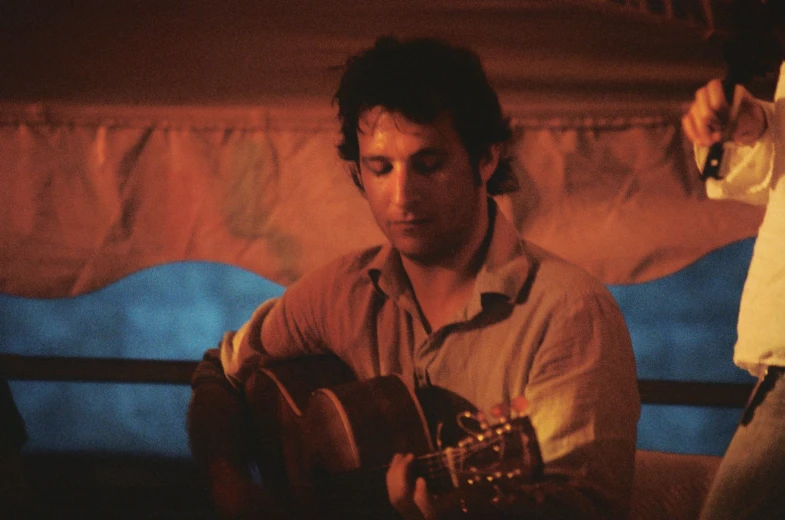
(454, 300)
(750, 483)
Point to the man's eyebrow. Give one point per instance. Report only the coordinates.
(372, 158)
(428, 152)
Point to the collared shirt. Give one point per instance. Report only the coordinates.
(753, 174)
(534, 325)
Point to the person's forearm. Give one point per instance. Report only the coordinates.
(217, 425)
(217, 416)
(220, 435)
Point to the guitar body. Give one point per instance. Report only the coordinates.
(324, 438)
(361, 425)
(323, 441)
(354, 429)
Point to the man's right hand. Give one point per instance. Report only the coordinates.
(708, 117)
(408, 494)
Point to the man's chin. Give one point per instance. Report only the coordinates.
(426, 248)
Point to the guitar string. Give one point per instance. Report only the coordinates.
(436, 462)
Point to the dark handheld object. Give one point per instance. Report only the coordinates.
(751, 49)
(711, 167)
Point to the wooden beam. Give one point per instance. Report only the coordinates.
(41, 368)
(694, 393)
(57, 368)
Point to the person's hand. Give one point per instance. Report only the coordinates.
(707, 119)
(408, 494)
(514, 407)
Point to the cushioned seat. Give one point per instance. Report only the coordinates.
(671, 486)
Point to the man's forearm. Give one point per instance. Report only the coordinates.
(217, 417)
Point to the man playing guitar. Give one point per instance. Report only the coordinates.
(455, 304)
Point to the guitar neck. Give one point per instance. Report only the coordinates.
(497, 452)
(440, 469)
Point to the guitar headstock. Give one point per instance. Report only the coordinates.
(506, 450)
(488, 455)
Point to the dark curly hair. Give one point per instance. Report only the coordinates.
(421, 79)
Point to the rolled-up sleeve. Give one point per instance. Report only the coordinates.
(280, 328)
(242, 351)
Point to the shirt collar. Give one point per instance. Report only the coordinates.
(508, 264)
(505, 270)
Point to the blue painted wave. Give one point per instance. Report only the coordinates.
(682, 326)
(172, 311)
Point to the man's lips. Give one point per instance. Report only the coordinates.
(404, 222)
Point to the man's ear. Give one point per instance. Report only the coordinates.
(490, 161)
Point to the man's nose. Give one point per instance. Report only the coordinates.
(405, 186)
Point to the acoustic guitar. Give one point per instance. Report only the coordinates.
(324, 441)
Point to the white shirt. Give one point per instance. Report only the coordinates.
(752, 174)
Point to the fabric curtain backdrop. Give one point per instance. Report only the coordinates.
(137, 134)
(90, 195)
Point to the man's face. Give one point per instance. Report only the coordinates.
(420, 185)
